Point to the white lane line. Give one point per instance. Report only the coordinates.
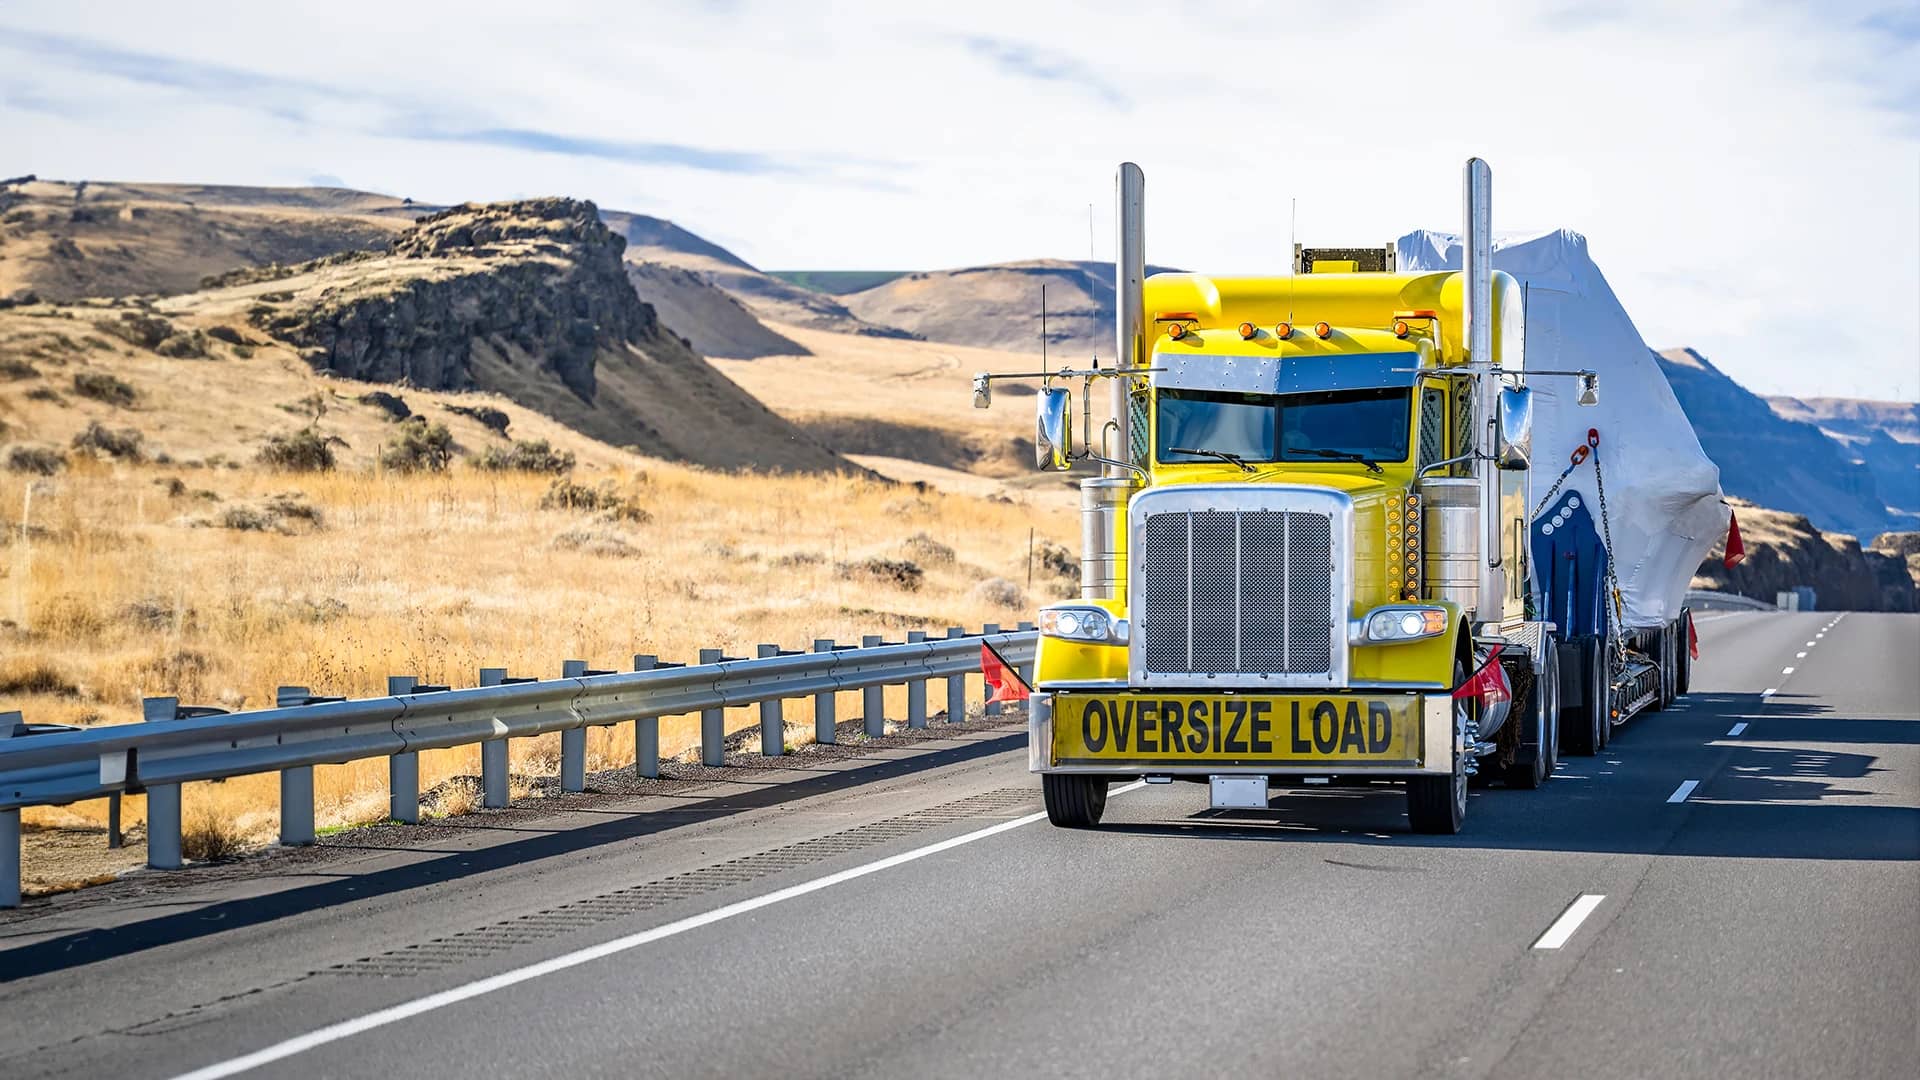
(348, 1028)
(1569, 921)
(1685, 789)
(1800, 656)
(1769, 692)
(1737, 729)
(1786, 671)
(1810, 645)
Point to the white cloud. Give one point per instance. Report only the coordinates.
(1749, 175)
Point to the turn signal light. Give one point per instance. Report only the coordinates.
(1176, 331)
(1322, 330)
(1283, 331)
(1248, 330)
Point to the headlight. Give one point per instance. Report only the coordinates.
(1088, 624)
(1399, 623)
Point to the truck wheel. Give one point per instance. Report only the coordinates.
(1584, 726)
(1437, 805)
(1534, 764)
(1074, 802)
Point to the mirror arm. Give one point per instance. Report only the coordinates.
(1127, 465)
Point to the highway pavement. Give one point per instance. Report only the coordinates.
(1731, 889)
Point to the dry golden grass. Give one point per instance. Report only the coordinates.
(111, 589)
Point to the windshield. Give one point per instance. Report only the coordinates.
(1362, 425)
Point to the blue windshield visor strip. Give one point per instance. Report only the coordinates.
(1285, 375)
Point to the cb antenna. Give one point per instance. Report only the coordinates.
(1043, 331)
(1293, 244)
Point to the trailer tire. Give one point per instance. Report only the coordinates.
(1585, 728)
(1683, 656)
(1074, 802)
(1533, 765)
(1437, 805)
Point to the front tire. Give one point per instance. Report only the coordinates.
(1074, 802)
(1437, 805)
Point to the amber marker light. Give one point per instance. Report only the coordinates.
(1283, 331)
(1176, 331)
(1248, 330)
(1400, 328)
(1322, 331)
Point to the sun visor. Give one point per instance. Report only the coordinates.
(1284, 375)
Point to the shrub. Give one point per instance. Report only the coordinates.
(38, 460)
(595, 542)
(208, 835)
(900, 573)
(43, 393)
(284, 514)
(927, 549)
(796, 559)
(1000, 592)
(564, 494)
(533, 455)
(101, 386)
(146, 331)
(418, 447)
(183, 346)
(14, 370)
(34, 677)
(99, 439)
(303, 451)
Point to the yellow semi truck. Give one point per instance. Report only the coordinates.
(1306, 560)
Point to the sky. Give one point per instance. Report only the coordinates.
(1747, 174)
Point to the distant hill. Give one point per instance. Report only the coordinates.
(1882, 435)
(838, 282)
(998, 306)
(1771, 460)
(1785, 550)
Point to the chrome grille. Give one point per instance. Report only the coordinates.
(1236, 592)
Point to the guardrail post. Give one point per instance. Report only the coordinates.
(403, 770)
(991, 708)
(646, 730)
(713, 722)
(825, 724)
(873, 699)
(163, 827)
(773, 716)
(573, 741)
(116, 837)
(956, 685)
(9, 858)
(493, 754)
(916, 689)
(296, 806)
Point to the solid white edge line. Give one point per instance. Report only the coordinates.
(1569, 921)
(1685, 789)
(1738, 729)
(349, 1028)
(1769, 691)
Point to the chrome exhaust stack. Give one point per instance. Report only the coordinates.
(1129, 299)
(1477, 262)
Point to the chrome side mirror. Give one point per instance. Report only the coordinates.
(1515, 430)
(982, 391)
(1053, 431)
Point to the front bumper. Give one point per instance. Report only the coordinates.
(1124, 732)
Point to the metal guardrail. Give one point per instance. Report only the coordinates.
(1708, 600)
(179, 744)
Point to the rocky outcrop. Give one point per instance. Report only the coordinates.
(1785, 551)
(543, 276)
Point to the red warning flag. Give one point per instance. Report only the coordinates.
(1004, 681)
(1489, 684)
(1736, 550)
(1693, 638)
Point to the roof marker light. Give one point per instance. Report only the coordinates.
(1322, 330)
(1400, 328)
(1283, 331)
(1176, 331)
(1248, 331)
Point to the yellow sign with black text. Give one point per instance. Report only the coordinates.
(1235, 729)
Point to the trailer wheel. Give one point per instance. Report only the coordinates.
(1586, 726)
(1533, 765)
(1074, 802)
(1437, 805)
(1683, 655)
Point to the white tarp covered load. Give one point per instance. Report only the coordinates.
(1663, 493)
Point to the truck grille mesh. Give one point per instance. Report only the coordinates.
(1228, 593)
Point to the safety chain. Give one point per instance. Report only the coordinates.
(1617, 644)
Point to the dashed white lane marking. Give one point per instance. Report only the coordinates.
(1738, 728)
(1800, 655)
(1786, 671)
(1685, 789)
(348, 1028)
(1809, 645)
(1769, 692)
(1569, 921)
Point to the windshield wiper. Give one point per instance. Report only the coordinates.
(1221, 454)
(1340, 455)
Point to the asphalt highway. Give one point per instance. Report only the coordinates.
(1731, 889)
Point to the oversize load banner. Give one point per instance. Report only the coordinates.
(1235, 729)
